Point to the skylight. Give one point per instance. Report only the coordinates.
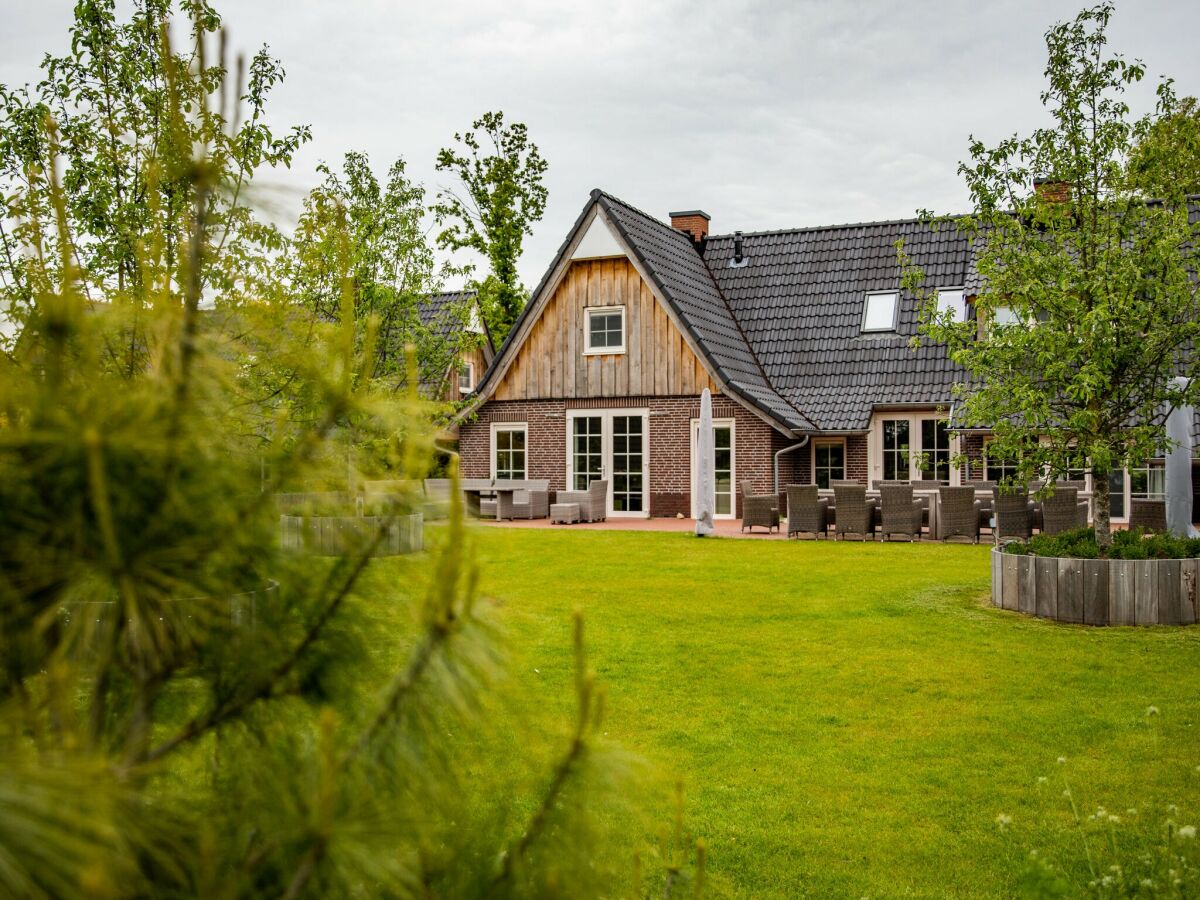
(879, 311)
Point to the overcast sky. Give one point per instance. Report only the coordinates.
(766, 115)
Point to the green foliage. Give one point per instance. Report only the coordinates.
(1165, 161)
(185, 708)
(1132, 543)
(1099, 282)
(127, 116)
(352, 226)
(503, 196)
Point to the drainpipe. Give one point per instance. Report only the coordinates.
(780, 453)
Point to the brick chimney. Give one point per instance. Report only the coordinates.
(1052, 190)
(693, 222)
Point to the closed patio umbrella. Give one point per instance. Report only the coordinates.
(1179, 469)
(706, 464)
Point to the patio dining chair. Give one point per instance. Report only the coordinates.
(855, 512)
(900, 514)
(533, 503)
(1063, 511)
(1014, 513)
(958, 514)
(1149, 515)
(808, 512)
(759, 509)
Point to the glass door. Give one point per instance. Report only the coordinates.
(723, 471)
(611, 445)
(627, 493)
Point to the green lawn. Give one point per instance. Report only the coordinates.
(848, 719)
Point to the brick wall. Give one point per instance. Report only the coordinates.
(857, 464)
(669, 461)
(696, 226)
(972, 448)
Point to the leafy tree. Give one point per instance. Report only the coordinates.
(125, 157)
(185, 708)
(500, 171)
(351, 224)
(1088, 298)
(1165, 161)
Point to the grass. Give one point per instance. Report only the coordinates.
(848, 720)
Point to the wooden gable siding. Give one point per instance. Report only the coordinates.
(551, 363)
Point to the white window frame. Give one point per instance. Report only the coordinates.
(731, 424)
(895, 311)
(914, 418)
(826, 442)
(466, 367)
(506, 426)
(588, 349)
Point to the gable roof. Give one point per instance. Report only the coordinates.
(799, 299)
(678, 274)
(442, 314)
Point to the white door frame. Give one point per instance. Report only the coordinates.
(694, 430)
(914, 419)
(606, 431)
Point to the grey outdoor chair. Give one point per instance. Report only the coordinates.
(808, 512)
(901, 513)
(1014, 515)
(593, 503)
(958, 513)
(759, 509)
(1063, 511)
(855, 512)
(533, 503)
(1150, 515)
(877, 483)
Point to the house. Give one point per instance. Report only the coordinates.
(802, 335)
(447, 314)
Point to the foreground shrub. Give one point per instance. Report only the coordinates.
(1131, 544)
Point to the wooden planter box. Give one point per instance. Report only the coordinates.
(1098, 591)
(342, 535)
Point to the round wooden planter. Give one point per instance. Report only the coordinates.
(340, 535)
(1098, 591)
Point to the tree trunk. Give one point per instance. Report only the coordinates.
(1101, 510)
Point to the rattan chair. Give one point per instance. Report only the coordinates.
(1149, 515)
(808, 512)
(593, 503)
(1014, 514)
(533, 503)
(855, 512)
(958, 513)
(759, 509)
(900, 513)
(1063, 511)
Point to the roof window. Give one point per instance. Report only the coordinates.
(879, 311)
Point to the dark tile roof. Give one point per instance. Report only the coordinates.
(445, 312)
(799, 300)
(671, 260)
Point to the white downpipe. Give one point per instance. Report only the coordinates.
(780, 453)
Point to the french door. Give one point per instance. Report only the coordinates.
(723, 472)
(611, 444)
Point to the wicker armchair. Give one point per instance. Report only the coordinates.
(900, 513)
(533, 503)
(855, 512)
(808, 513)
(1149, 515)
(593, 503)
(1063, 511)
(759, 509)
(877, 483)
(958, 513)
(1014, 513)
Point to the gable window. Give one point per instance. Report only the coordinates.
(829, 463)
(466, 377)
(953, 301)
(879, 311)
(605, 330)
(508, 450)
